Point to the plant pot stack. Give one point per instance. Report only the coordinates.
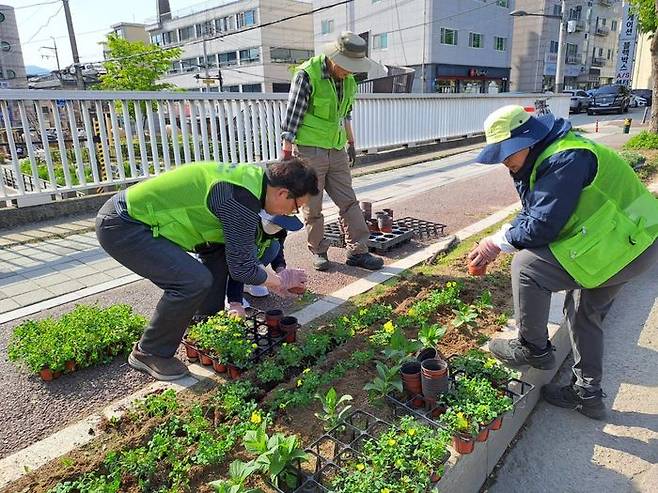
(273, 321)
(425, 379)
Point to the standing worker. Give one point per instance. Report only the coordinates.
(587, 225)
(211, 209)
(318, 122)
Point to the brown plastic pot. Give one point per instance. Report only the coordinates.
(57, 374)
(192, 354)
(477, 271)
(385, 223)
(389, 212)
(438, 411)
(427, 353)
(218, 366)
(205, 359)
(435, 477)
(417, 402)
(366, 208)
(272, 319)
(463, 445)
(496, 424)
(433, 377)
(410, 373)
(483, 435)
(234, 372)
(46, 374)
(289, 326)
(373, 226)
(70, 365)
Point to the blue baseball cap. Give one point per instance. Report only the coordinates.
(511, 129)
(274, 224)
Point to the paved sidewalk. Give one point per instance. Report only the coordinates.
(562, 451)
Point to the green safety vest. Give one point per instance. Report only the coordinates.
(322, 125)
(615, 220)
(175, 203)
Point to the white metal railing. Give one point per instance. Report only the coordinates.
(75, 141)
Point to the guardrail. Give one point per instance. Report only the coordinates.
(82, 140)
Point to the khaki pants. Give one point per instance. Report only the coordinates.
(334, 177)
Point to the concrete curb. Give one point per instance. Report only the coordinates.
(36, 455)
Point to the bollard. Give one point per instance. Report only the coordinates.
(627, 125)
(596, 126)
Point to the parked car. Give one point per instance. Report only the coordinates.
(637, 101)
(647, 94)
(614, 98)
(580, 101)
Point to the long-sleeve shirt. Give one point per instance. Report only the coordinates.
(237, 209)
(546, 207)
(298, 101)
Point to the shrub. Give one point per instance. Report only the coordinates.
(643, 140)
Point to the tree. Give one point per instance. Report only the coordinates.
(136, 66)
(646, 10)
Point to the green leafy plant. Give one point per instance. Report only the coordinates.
(270, 371)
(159, 404)
(477, 363)
(458, 423)
(430, 335)
(484, 302)
(388, 380)
(643, 140)
(465, 315)
(334, 408)
(399, 347)
(238, 472)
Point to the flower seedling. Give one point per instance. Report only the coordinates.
(334, 409)
(387, 381)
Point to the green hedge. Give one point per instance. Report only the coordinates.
(643, 140)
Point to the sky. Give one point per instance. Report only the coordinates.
(91, 20)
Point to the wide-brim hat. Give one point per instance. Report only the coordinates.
(511, 129)
(349, 53)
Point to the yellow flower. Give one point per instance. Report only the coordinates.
(411, 312)
(360, 467)
(306, 370)
(299, 382)
(254, 345)
(490, 363)
(256, 418)
(411, 432)
(462, 422)
(389, 328)
(363, 311)
(385, 490)
(391, 442)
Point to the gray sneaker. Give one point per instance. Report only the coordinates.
(320, 261)
(159, 368)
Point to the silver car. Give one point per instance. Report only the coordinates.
(580, 101)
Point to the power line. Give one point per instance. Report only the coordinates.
(47, 22)
(8, 8)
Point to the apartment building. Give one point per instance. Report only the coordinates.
(131, 31)
(455, 46)
(592, 40)
(224, 49)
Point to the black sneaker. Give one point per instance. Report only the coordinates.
(574, 397)
(163, 369)
(320, 261)
(517, 352)
(365, 260)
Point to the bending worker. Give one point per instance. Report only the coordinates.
(211, 209)
(587, 225)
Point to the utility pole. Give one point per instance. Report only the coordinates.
(205, 61)
(74, 46)
(559, 66)
(54, 48)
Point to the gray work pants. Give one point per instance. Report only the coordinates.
(190, 287)
(334, 177)
(536, 274)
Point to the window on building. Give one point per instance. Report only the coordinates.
(500, 44)
(210, 61)
(156, 39)
(224, 24)
(228, 58)
(231, 88)
(289, 55)
(554, 47)
(186, 33)
(556, 9)
(600, 51)
(609, 53)
(188, 64)
(169, 37)
(448, 36)
(175, 67)
(613, 25)
(380, 41)
(280, 87)
(503, 3)
(205, 29)
(251, 88)
(575, 13)
(572, 49)
(250, 55)
(475, 40)
(593, 52)
(327, 26)
(246, 19)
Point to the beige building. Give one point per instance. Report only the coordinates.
(642, 77)
(591, 44)
(130, 31)
(225, 41)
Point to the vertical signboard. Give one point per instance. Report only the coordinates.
(627, 42)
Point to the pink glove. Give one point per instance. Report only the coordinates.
(484, 253)
(292, 278)
(236, 310)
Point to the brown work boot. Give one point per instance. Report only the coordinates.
(159, 368)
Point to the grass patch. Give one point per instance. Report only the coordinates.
(643, 140)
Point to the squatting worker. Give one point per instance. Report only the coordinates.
(318, 122)
(211, 209)
(587, 226)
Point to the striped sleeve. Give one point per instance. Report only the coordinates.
(237, 209)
